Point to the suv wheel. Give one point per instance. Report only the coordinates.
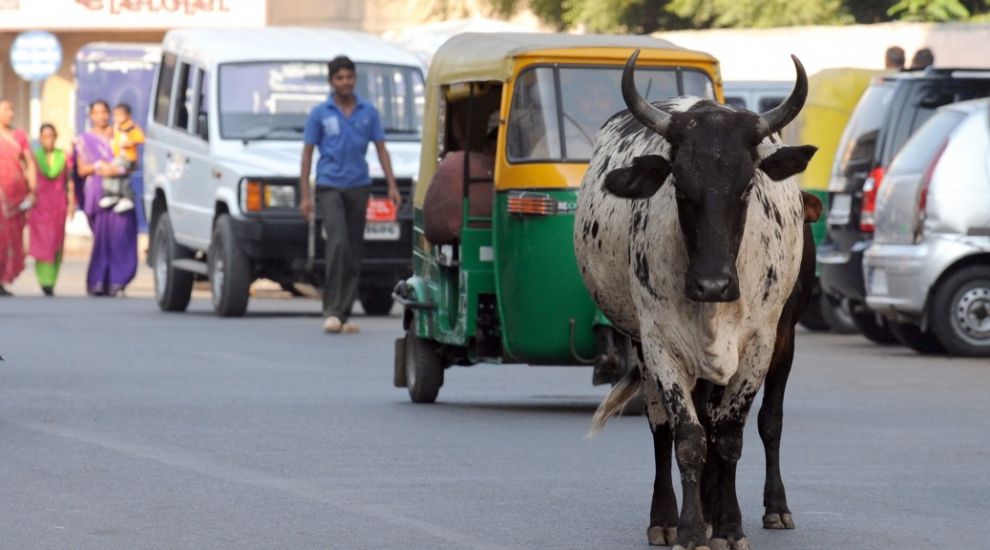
(230, 271)
(910, 335)
(376, 299)
(960, 312)
(870, 325)
(173, 287)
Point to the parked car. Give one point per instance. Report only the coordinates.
(889, 112)
(832, 97)
(117, 73)
(928, 269)
(223, 152)
(756, 96)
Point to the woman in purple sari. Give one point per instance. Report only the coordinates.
(113, 262)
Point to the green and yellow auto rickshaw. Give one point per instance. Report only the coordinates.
(832, 97)
(510, 123)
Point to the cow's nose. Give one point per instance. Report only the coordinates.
(722, 288)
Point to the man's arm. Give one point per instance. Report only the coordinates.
(305, 200)
(386, 162)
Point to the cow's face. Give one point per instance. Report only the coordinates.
(713, 158)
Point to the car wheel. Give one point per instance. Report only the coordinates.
(812, 318)
(910, 335)
(230, 271)
(173, 287)
(960, 312)
(870, 325)
(376, 299)
(837, 315)
(424, 368)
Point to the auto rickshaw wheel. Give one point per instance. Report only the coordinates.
(424, 368)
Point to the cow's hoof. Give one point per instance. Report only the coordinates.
(709, 530)
(661, 536)
(724, 544)
(778, 521)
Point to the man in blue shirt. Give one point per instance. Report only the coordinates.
(342, 127)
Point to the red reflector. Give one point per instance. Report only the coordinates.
(867, 218)
(532, 204)
(380, 210)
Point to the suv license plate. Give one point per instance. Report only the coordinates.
(841, 209)
(378, 231)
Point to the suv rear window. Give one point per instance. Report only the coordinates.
(859, 140)
(919, 151)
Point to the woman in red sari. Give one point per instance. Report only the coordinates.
(17, 185)
(55, 203)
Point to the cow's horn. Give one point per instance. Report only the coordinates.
(783, 114)
(651, 117)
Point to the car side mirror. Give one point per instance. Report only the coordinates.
(202, 126)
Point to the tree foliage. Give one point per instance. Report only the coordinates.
(647, 16)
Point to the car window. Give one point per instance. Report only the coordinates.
(184, 97)
(166, 73)
(921, 148)
(203, 106)
(556, 112)
(859, 140)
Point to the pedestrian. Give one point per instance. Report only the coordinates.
(342, 127)
(17, 192)
(922, 58)
(55, 202)
(113, 261)
(894, 58)
(127, 135)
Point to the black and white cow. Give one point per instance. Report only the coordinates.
(689, 235)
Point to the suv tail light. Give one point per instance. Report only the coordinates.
(926, 181)
(867, 217)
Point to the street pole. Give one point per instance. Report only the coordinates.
(35, 111)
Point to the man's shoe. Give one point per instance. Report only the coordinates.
(333, 325)
(124, 205)
(350, 328)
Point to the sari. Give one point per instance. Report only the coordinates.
(13, 191)
(46, 220)
(113, 262)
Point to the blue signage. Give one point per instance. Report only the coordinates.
(36, 55)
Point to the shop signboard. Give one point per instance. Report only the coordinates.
(130, 14)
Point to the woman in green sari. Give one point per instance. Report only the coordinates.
(54, 203)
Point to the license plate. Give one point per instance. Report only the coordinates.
(878, 283)
(387, 231)
(841, 209)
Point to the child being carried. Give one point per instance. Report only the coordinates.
(127, 135)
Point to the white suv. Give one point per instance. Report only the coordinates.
(221, 162)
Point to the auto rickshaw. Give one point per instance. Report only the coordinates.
(509, 127)
(832, 97)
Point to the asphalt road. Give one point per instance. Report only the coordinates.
(125, 428)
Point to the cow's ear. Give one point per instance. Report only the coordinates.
(787, 161)
(812, 207)
(639, 181)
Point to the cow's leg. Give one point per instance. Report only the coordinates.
(771, 421)
(689, 445)
(663, 509)
(728, 420)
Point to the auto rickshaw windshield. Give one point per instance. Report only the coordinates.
(556, 112)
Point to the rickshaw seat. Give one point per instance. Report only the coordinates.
(442, 206)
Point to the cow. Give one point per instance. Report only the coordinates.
(690, 235)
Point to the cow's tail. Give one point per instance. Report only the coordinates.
(616, 399)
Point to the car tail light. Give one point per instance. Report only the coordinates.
(926, 181)
(532, 204)
(867, 217)
(254, 196)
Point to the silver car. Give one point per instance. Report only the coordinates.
(928, 270)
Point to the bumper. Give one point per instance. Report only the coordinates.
(900, 277)
(842, 268)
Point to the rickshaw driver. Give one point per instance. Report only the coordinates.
(342, 127)
(591, 101)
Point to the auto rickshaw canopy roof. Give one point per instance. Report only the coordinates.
(473, 57)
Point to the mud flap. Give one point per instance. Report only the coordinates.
(399, 372)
